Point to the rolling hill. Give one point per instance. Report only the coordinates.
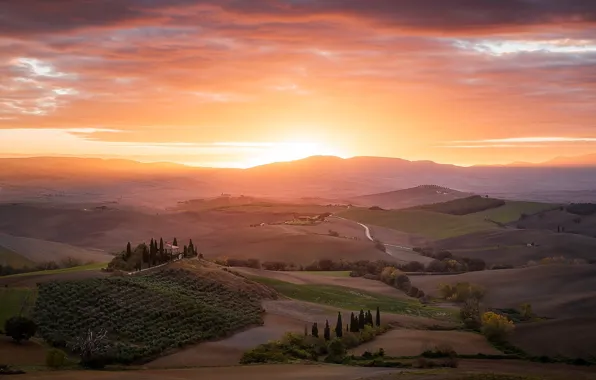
(23, 251)
(419, 195)
(448, 219)
(61, 179)
(575, 219)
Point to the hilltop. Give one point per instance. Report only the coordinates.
(419, 195)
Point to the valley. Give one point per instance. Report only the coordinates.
(267, 267)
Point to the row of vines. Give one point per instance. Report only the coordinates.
(144, 315)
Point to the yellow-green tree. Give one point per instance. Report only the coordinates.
(496, 327)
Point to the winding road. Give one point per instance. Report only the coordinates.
(368, 235)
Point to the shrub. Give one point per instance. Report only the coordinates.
(496, 327)
(20, 328)
(461, 291)
(470, 314)
(380, 246)
(333, 233)
(55, 358)
(336, 350)
(440, 351)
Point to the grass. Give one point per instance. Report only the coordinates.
(353, 299)
(15, 299)
(13, 259)
(339, 273)
(427, 223)
(512, 211)
(94, 266)
(438, 226)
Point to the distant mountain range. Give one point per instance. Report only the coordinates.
(91, 179)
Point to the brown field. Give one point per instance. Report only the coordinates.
(265, 372)
(332, 372)
(292, 244)
(228, 351)
(301, 278)
(509, 246)
(556, 291)
(551, 220)
(574, 338)
(405, 342)
(29, 353)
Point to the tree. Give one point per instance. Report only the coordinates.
(496, 327)
(92, 348)
(20, 328)
(327, 331)
(128, 251)
(175, 242)
(361, 320)
(152, 253)
(315, 330)
(526, 311)
(339, 326)
(470, 314)
(369, 318)
(353, 323)
(161, 251)
(305, 329)
(191, 248)
(145, 254)
(378, 317)
(185, 251)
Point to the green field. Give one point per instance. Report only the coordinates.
(353, 299)
(94, 266)
(429, 224)
(15, 300)
(339, 273)
(438, 226)
(13, 259)
(512, 211)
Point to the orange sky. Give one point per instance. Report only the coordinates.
(241, 83)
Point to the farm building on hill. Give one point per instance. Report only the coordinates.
(172, 250)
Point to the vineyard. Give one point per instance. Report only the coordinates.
(144, 315)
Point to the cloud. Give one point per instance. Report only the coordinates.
(172, 71)
(514, 140)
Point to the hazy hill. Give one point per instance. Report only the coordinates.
(424, 194)
(162, 185)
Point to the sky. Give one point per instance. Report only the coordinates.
(238, 83)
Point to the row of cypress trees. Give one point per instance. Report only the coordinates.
(357, 323)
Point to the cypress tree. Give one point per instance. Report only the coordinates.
(327, 331)
(361, 320)
(128, 251)
(152, 253)
(185, 251)
(353, 324)
(175, 242)
(161, 252)
(305, 329)
(191, 248)
(378, 317)
(145, 255)
(315, 330)
(370, 319)
(339, 326)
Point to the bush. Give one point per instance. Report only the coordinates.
(20, 328)
(380, 246)
(462, 291)
(333, 233)
(55, 358)
(470, 314)
(496, 327)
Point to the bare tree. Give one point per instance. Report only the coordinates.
(91, 347)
